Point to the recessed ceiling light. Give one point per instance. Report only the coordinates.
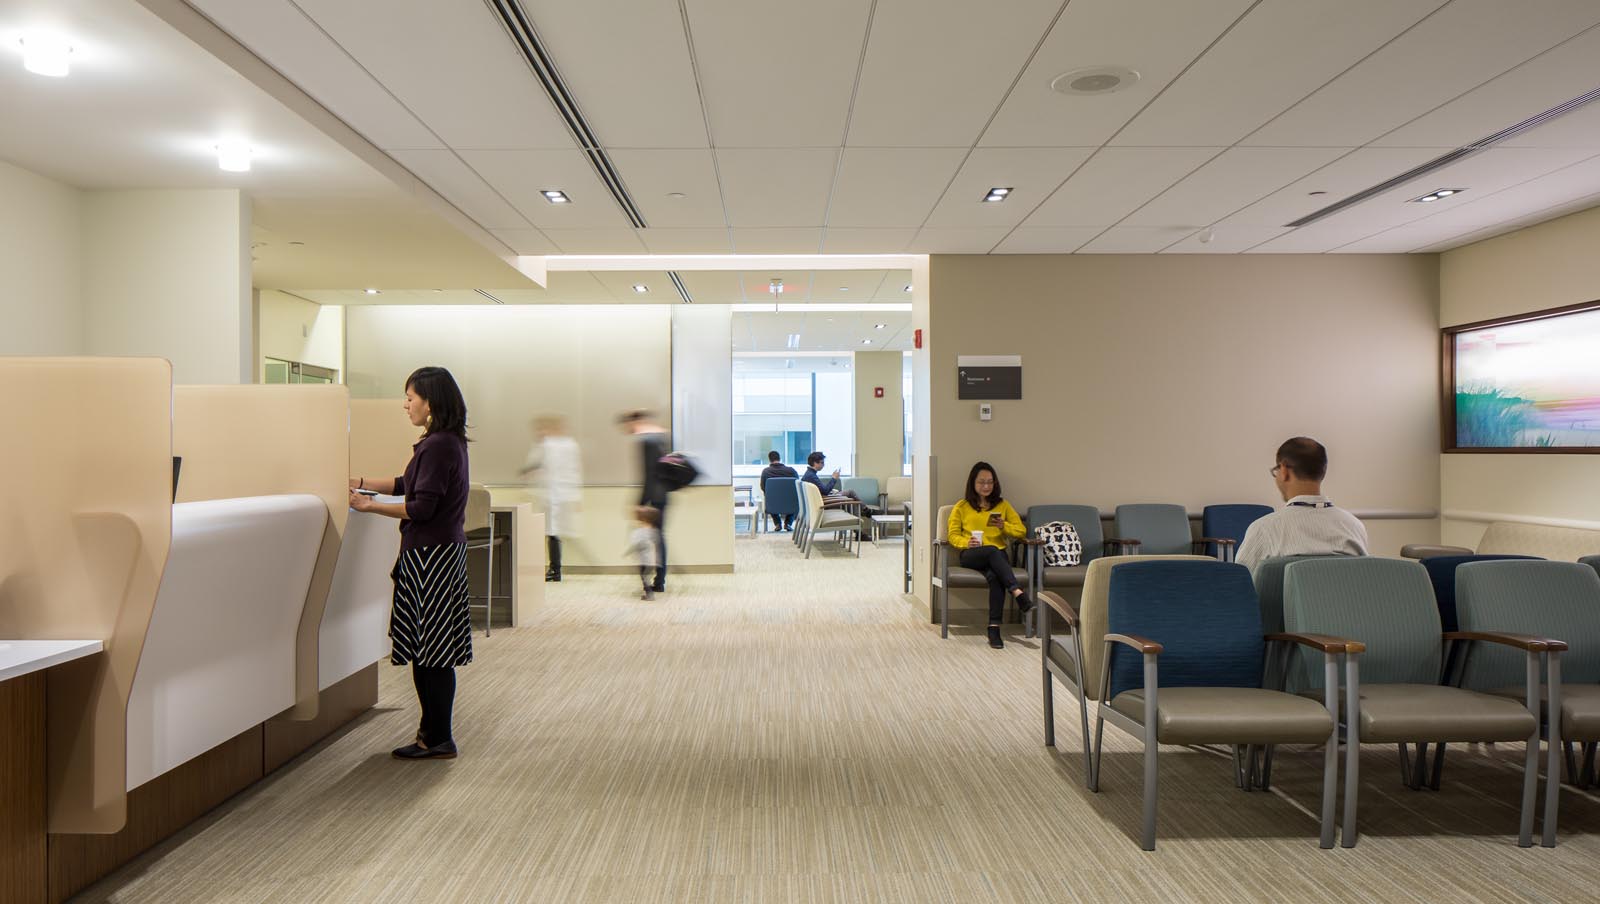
(997, 194)
(233, 156)
(908, 288)
(372, 291)
(1094, 80)
(844, 288)
(46, 54)
(297, 244)
(775, 286)
(794, 340)
(879, 326)
(1438, 194)
(1315, 193)
(676, 195)
(866, 342)
(555, 196)
(641, 288)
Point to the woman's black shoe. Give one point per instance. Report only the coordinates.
(994, 637)
(445, 751)
(1030, 612)
(552, 577)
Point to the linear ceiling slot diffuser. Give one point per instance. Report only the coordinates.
(1444, 160)
(488, 296)
(520, 27)
(677, 283)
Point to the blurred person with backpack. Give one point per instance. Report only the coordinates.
(654, 445)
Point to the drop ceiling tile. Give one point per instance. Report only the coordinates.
(571, 287)
(526, 241)
(1463, 45)
(1115, 182)
(1031, 174)
(627, 64)
(450, 64)
(291, 43)
(776, 187)
(1352, 173)
(1134, 240)
(1047, 239)
(1226, 240)
(713, 286)
(1578, 129)
(1569, 206)
(595, 241)
(652, 176)
(885, 187)
(1157, 38)
(1234, 179)
(1280, 52)
(444, 172)
(975, 240)
(520, 175)
(1546, 81)
(846, 286)
(838, 240)
(911, 96)
(893, 288)
(686, 241)
(777, 74)
(781, 240)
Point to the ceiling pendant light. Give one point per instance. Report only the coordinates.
(48, 55)
(233, 157)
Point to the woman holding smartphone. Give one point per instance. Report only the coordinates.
(430, 625)
(980, 526)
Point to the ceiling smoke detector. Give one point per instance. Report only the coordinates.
(1094, 80)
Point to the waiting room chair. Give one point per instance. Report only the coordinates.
(1229, 522)
(896, 495)
(864, 487)
(947, 575)
(1592, 562)
(1442, 573)
(1541, 600)
(1086, 520)
(1387, 604)
(782, 497)
(1184, 660)
(1269, 589)
(844, 521)
(1155, 529)
(479, 523)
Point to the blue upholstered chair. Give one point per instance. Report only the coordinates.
(1153, 529)
(1557, 601)
(1442, 572)
(1086, 519)
(783, 497)
(1229, 522)
(1183, 665)
(1401, 697)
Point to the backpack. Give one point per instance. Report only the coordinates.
(675, 471)
(1061, 544)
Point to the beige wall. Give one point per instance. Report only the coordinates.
(699, 526)
(1172, 378)
(41, 258)
(880, 432)
(293, 329)
(167, 273)
(1544, 266)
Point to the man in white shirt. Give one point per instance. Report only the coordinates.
(1308, 524)
(556, 456)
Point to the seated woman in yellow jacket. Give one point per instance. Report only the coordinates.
(979, 527)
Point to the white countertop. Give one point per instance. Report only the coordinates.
(20, 657)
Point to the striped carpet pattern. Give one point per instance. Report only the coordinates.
(797, 732)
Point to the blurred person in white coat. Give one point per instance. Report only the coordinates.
(555, 457)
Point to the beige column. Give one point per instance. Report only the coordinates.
(880, 421)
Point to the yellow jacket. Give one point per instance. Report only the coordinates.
(964, 519)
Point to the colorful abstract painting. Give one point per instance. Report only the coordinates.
(1534, 384)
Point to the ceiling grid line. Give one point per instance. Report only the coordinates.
(849, 118)
(705, 117)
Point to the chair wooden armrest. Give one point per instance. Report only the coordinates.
(1142, 644)
(1220, 541)
(1324, 642)
(1526, 642)
(1429, 550)
(1054, 601)
(1027, 541)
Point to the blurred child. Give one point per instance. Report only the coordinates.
(643, 543)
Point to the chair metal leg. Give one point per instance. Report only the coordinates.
(1438, 766)
(1330, 751)
(1091, 765)
(1349, 834)
(1552, 779)
(1099, 747)
(1405, 766)
(1238, 767)
(488, 590)
(1152, 750)
(1530, 763)
(1586, 776)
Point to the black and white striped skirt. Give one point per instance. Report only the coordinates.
(430, 624)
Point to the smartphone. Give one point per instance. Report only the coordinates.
(366, 492)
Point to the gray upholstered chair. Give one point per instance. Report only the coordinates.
(1387, 604)
(1269, 589)
(1086, 519)
(1592, 562)
(1156, 529)
(1543, 600)
(947, 575)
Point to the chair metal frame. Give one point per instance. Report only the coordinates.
(941, 570)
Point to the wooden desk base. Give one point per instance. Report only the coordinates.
(22, 803)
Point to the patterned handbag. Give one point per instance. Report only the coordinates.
(1061, 544)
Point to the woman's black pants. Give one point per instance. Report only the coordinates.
(436, 691)
(997, 571)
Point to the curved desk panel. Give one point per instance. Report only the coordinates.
(219, 657)
(355, 624)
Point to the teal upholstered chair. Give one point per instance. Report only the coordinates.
(1559, 600)
(1388, 605)
(865, 488)
(1269, 588)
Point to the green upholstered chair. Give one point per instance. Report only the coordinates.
(946, 574)
(1269, 589)
(1086, 519)
(1545, 600)
(866, 488)
(1388, 605)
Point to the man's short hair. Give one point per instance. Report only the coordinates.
(1305, 457)
(815, 458)
(774, 457)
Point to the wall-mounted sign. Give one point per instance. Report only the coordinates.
(989, 376)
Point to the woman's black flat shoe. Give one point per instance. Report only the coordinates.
(994, 637)
(445, 751)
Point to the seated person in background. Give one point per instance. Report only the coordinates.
(979, 527)
(1308, 524)
(776, 468)
(829, 486)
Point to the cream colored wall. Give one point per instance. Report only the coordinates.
(41, 260)
(1544, 266)
(167, 273)
(879, 431)
(699, 526)
(293, 329)
(1173, 378)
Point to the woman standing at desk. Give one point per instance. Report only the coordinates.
(430, 625)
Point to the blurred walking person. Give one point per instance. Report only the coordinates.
(653, 442)
(556, 459)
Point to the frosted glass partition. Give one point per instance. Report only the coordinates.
(702, 388)
(584, 362)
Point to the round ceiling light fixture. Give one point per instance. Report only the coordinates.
(1094, 80)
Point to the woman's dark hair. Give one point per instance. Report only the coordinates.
(972, 489)
(633, 417)
(435, 386)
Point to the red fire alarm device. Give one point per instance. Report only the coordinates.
(877, 392)
(916, 339)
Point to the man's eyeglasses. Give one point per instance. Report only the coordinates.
(1274, 471)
